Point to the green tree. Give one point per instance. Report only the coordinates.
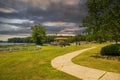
(103, 21)
(89, 38)
(49, 39)
(79, 38)
(113, 19)
(38, 34)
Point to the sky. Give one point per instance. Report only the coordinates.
(17, 16)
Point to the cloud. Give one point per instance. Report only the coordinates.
(44, 4)
(5, 37)
(15, 21)
(7, 10)
(59, 23)
(6, 27)
(54, 14)
(51, 10)
(73, 30)
(69, 30)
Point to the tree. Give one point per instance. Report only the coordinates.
(49, 39)
(79, 38)
(89, 38)
(103, 21)
(38, 34)
(20, 40)
(113, 19)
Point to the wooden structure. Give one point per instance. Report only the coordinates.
(62, 41)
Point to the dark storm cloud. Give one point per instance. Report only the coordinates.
(40, 11)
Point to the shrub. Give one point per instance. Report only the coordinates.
(112, 50)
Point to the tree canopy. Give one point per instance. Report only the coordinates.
(38, 34)
(20, 40)
(103, 21)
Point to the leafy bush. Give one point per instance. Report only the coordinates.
(112, 50)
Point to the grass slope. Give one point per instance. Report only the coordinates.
(35, 64)
(87, 59)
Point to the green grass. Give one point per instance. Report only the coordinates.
(35, 64)
(87, 59)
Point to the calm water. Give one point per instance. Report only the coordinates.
(4, 44)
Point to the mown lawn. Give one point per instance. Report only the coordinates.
(88, 59)
(34, 64)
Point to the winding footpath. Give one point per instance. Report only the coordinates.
(64, 64)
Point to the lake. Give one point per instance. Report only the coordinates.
(4, 44)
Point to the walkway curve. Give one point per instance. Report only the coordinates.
(64, 64)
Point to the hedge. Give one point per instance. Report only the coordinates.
(112, 50)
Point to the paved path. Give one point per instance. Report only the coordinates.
(64, 63)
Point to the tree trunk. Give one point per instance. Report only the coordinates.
(100, 39)
(116, 39)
